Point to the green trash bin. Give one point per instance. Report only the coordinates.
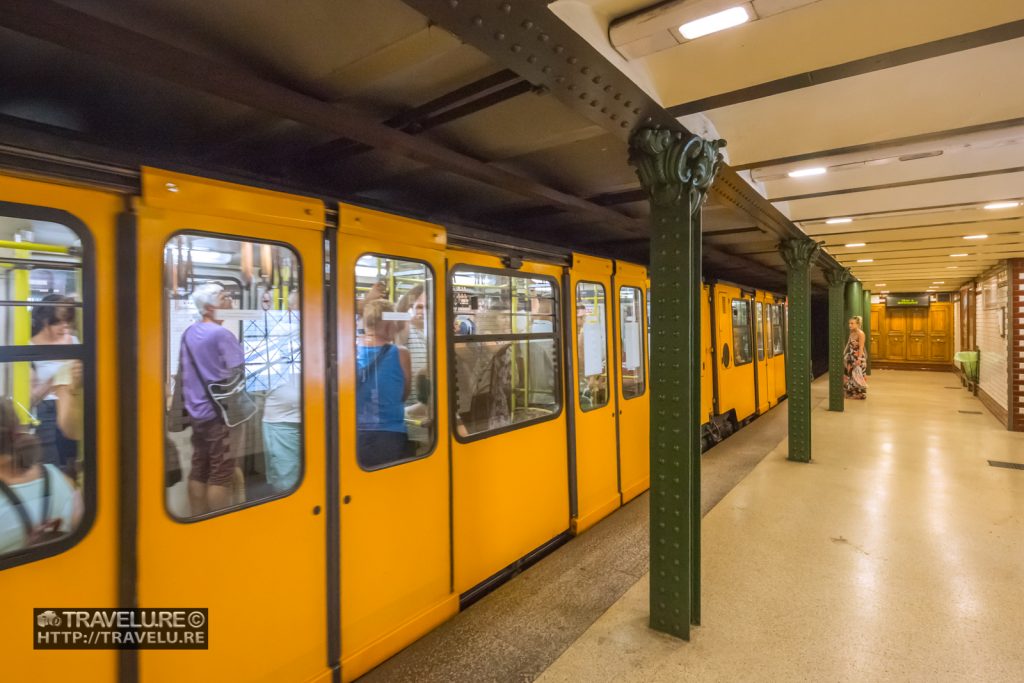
(969, 362)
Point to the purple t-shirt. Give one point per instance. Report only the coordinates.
(215, 352)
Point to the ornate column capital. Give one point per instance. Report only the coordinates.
(799, 252)
(673, 167)
(837, 276)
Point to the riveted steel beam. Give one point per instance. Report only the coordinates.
(676, 170)
(837, 279)
(84, 33)
(799, 254)
(528, 38)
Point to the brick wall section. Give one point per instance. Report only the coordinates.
(993, 346)
(1016, 338)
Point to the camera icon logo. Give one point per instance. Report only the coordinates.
(48, 618)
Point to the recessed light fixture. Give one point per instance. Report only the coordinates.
(997, 205)
(880, 284)
(939, 282)
(719, 21)
(805, 172)
(856, 244)
(958, 255)
(952, 267)
(975, 237)
(834, 221)
(865, 260)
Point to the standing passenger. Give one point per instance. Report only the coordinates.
(383, 378)
(209, 354)
(282, 410)
(52, 324)
(855, 362)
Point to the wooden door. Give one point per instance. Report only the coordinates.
(939, 332)
(917, 334)
(895, 334)
(875, 345)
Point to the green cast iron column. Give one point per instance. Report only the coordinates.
(676, 171)
(798, 254)
(854, 298)
(867, 329)
(837, 327)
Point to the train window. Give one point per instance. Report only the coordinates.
(504, 350)
(234, 374)
(741, 350)
(47, 488)
(591, 345)
(395, 378)
(778, 341)
(759, 321)
(632, 352)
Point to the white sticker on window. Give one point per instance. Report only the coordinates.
(593, 349)
(631, 334)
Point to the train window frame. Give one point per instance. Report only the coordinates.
(555, 336)
(608, 349)
(750, 345)
(783, 319)
(85, 352)
(433, 370)
(643, 345)
(165, 360)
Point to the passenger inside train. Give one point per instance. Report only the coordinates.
(41, 416)
(234, 367)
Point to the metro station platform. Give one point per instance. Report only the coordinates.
(894, 555)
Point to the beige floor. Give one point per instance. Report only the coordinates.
(898, 554)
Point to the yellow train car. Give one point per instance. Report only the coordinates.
(412, 421)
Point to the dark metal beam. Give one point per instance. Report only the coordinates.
(857, 67)
(84, 33)
(469, 99)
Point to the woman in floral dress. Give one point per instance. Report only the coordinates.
(855, 362)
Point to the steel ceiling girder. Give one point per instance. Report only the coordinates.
(528, 38)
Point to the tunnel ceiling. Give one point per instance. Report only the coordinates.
(398, 105)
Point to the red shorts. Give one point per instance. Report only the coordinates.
(211, 453)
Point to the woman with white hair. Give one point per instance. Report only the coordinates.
(209, 354)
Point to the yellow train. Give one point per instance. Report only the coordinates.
(408, 421)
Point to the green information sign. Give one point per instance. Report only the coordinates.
(905, 300)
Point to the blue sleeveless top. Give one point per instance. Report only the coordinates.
(379, 405)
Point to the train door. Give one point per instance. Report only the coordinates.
(58, 253)
(393, 427)
(510, 473)
(597, 471)
(634, 413)
(707, 355)
(231, 425)
(776, 344)
(735, 349)
(760, 303)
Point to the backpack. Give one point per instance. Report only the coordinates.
(48, 529)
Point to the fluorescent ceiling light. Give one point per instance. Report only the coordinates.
(834, 221)
(975, 237)
(713, 23)
(865, 260)
(856, 244)
(879, 284)
(939, 282)
(805, 172)
(885, 291)
(958, 255)
(1001, 205)
(952, 267)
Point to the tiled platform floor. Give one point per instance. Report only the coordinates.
(898, 554)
